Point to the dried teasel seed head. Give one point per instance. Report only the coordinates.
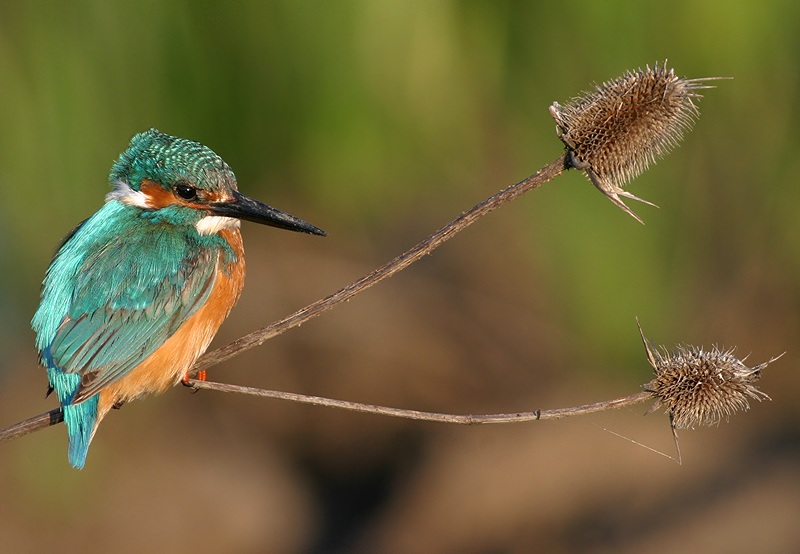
(701, 387)
(616, 131)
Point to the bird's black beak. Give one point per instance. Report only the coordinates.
(244, 207)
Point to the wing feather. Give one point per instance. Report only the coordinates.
(111, 298)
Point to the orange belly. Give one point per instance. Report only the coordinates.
(170, 362)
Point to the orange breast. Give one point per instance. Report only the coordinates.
(167, 365)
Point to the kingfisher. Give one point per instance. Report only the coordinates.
(135, 293)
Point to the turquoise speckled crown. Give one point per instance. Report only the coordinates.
(166, 159)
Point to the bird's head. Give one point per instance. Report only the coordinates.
(189, 184)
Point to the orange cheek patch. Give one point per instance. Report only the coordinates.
(157, 196)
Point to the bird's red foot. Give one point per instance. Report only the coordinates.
(201, 376)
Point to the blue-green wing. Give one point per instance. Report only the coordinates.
(111, 299)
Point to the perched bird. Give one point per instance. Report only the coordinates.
(136, 292)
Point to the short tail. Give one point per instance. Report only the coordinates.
(81, 420)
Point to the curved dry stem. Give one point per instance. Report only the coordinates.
(33, 424)
(413, 254)
(52, 417)
(461, 419)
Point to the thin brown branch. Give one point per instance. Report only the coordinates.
(36, 423)
(42, 421)
(462, 419)
(422, 248)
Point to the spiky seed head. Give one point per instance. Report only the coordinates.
(616, 131)
(701, 387)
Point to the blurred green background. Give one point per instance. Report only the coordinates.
(380, 121)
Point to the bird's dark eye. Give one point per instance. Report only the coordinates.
(187, 192)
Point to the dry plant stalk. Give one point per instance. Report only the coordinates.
(698, 387)
(612, 134)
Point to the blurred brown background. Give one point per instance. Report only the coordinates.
(380, 121)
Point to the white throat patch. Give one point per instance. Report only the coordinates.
(212, 224)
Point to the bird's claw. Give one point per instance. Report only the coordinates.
(188, 381)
